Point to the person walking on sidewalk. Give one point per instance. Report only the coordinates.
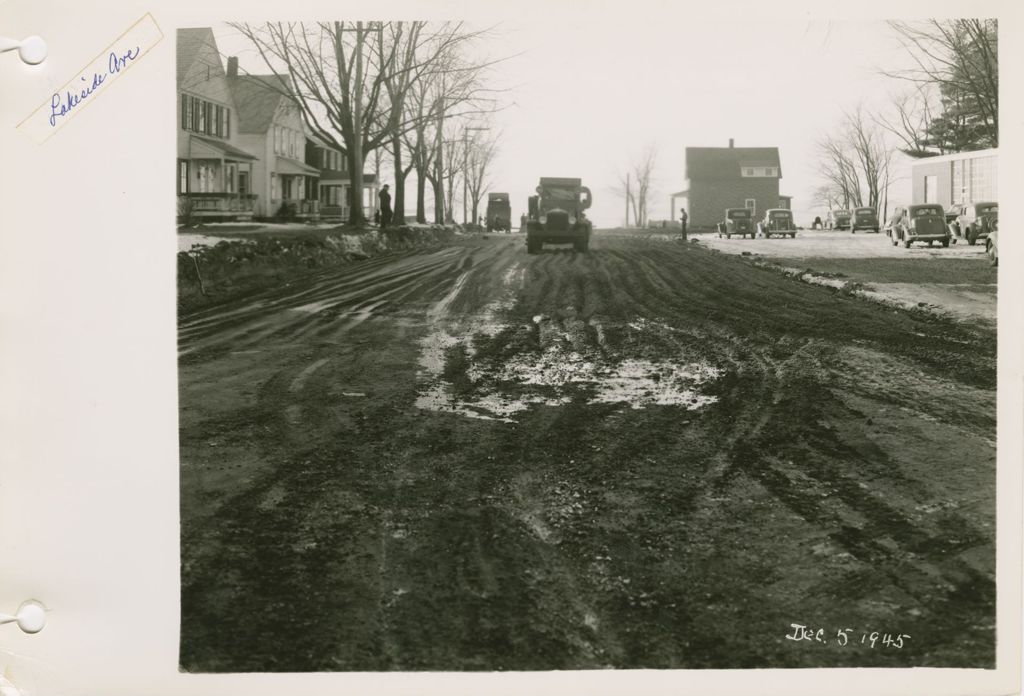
(385, 206)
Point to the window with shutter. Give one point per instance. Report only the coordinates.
(182, 176)
(184, 112)
(195, 113)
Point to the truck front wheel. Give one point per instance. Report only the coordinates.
(581, 245)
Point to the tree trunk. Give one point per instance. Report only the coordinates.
(356, 216)
(421, 193)
(436, 185)
(399, 199)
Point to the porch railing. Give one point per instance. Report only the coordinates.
(221, 203)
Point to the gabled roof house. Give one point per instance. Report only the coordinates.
(270, 125)
(729, 177)
(213, 168)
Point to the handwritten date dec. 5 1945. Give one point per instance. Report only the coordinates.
(847, 637)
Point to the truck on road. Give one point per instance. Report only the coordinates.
(499, 212)
(556, 215)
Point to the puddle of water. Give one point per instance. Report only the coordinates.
(552, 376)
(568, 363)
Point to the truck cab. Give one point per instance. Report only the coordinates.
(499, 212)
(556, 215)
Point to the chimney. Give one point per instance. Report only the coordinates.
(233, 72)
(236, 67)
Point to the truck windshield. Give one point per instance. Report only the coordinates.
(561, 194)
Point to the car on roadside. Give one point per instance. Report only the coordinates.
(972, 221)
(837, 219)
(777, 221)
(864, 218)
(737, 221)
(992, 246)
(920, 223)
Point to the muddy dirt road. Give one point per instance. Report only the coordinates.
(651, 455)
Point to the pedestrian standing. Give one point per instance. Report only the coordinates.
(683, 217)
(385, 206)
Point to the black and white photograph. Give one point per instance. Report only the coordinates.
(586, 340)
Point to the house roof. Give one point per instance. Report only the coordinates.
(190, 43)
(256, 98)
(286, 165)
(320, 142)
(228, 151)
(724, 162)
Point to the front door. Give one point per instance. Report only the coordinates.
(243, 183)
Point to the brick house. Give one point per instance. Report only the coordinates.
(729, 177)
(213, 169)
(270, 126)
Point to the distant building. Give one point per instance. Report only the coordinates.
(729, 177)
(213, 170)
(964, 177)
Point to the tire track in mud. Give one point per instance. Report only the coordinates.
(578, 535)
(317, 305)
(653, 289)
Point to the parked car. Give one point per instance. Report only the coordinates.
(837, 220)
(864, 218)
(737, 221)
(972, 221)
(777, 221)
(920, 223)
(992, 246)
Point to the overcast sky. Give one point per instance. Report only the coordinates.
(589, 91)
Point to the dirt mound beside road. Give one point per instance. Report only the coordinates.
(246, 262)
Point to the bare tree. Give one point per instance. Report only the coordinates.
(450, 167)
(961, 58)
(350, 79)
(481, 150)
(453, 92)
(854, 163)
(909, 119)
(636, 185)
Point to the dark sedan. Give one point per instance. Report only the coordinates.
(921, 223)
(864, 219)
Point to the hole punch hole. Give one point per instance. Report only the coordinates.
(32, 50)
(31, 616)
